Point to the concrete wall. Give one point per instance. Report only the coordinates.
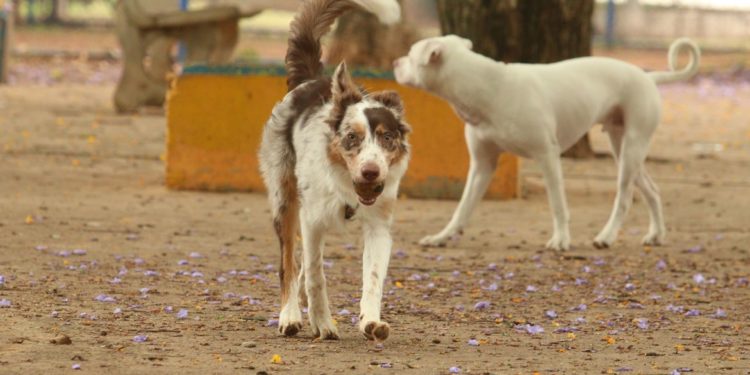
(636, 22)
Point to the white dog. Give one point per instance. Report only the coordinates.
(539, 110)
(329, 151)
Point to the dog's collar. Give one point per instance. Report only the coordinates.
(349, 211)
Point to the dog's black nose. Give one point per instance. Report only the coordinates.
(370, 172)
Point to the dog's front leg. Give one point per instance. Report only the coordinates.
(319, 312)
(482, 166)
(549, 162)
(374, 270)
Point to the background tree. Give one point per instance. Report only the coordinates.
(528, 31)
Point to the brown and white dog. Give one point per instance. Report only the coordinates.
(330, 150)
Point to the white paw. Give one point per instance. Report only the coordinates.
(559, 242)
(290, 320)
(377, 331)
(604, 240)
(437, 240)
(653, 239)
(324, 329)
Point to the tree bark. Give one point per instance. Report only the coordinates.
(363, 41)
(528, 31)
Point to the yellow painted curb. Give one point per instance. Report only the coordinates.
(215, 123)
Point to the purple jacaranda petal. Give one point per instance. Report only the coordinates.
(580, 320)
(2, 279)
(693, 312)
(630, 287)
(459, 307)
(580, 281)
(79, 252)
(720, 313)
(272, 323)
(229, 295)
(221, 279)
(76, 366)
(270, 267)
(386, 365)
(182, 314)
(400, 253)
(139, 261)
(182, 262)
(5, 303)
(454, 370)
(550, 314)
(54, 314)
(63, 253)
(661, 265)
(531, 288)
(349, 246)
(492, 287)
(195, 255)
(123, 271)
(115, 280)
(698, 278)
(344, 312)
(144, 290)
(473, 342)
(676, 309)
(432, 285)
(105, 298)
(586, 269)
(599, 262)
(41, 247)
(530, 329)
(456, 274)
(197, 274)
(509, 275)
(140, 338)
(743, 281)
(481, 305)
(581, 307)
(565, 330)
(635, 305)
(642, 323)
(117, 311)
(415, 277)
(695, 249)
(624, 369)
(168, 309)
(327, 264)
(555, 287)
(150, 273)
(492, 266)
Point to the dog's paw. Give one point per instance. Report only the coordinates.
(559, 243)
(325, 330)
(653, 239)
(377, 331)
(436, 240)
(603, 241)
(290, 321)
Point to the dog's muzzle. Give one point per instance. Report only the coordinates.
(368, 192)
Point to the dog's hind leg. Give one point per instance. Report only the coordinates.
(286, 223)
(483, 161)
(319, 313)
(549, 162)
(648, 188)
(633, 149)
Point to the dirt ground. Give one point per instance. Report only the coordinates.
(92, 246)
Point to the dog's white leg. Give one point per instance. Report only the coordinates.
(374, 270)
(657, 230)
(632, 155)
(318, 311)
(553, 179)
(483, 161)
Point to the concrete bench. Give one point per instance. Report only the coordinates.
(215, 117)
(147, 31)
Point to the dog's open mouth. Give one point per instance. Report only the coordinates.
(368, 193)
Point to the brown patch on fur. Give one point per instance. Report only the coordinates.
(285, 223)
(345, 93)
(390, 99)
(389, 131)
(313, 20)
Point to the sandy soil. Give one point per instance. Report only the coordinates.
(85, 219)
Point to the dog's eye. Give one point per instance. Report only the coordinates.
(388, 137)
(351, 137)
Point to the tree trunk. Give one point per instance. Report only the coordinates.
(363, 41)
(528, 31)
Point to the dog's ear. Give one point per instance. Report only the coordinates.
(468, 43)
(345, 93)
(343, 85)
(432, 53)
(390, 100)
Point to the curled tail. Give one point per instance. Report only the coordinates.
(313, 21)
(688, 72)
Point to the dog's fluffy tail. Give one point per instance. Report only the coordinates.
(314, 20)
(689, 71)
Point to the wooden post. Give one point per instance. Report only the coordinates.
(6, 28)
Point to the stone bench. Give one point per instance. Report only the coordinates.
(147, 31)
(215, 117)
